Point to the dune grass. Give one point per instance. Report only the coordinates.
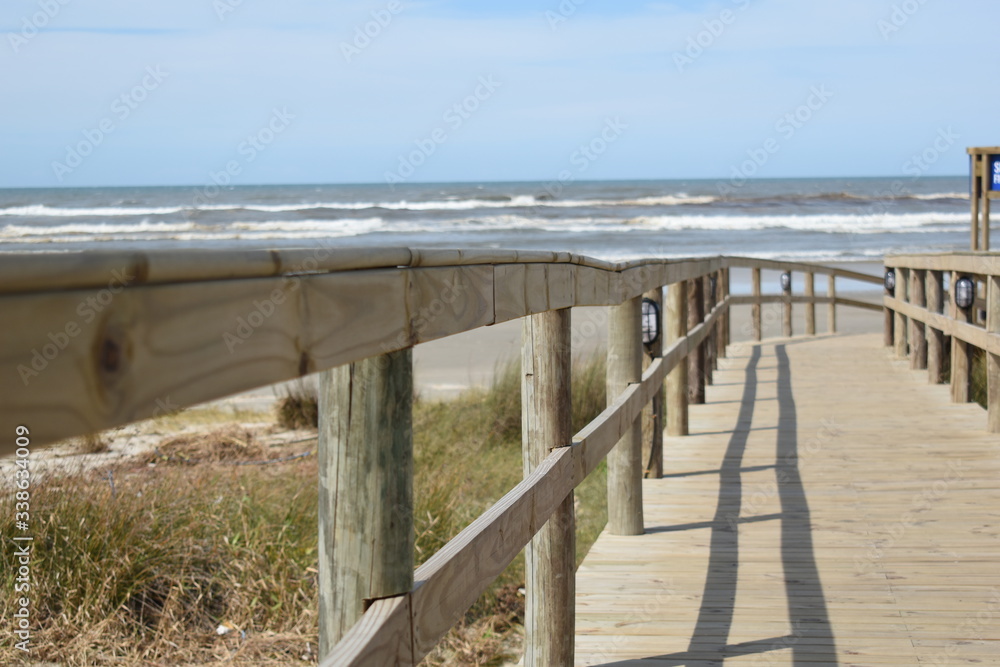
(140, 564)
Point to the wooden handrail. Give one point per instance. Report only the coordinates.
(918, 320)
(111, 338)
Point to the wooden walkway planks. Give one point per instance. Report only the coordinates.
(867, 509)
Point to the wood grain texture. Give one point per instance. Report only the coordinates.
(625, 459)
(381, 638)
(918, 335)
(935, 337)
(365, 461)
(961, 352)
(830, 559)
(755, 296)
(786, 311)
(677, 382)
(696, 359)
(902, 324)
(831, 292)
(992, 359)
(550, 556)
(810, 291)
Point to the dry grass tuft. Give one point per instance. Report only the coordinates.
(92, 444)
(227, 444)
(299, 407)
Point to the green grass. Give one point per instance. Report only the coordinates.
(141, 567)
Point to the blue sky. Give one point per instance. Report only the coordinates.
(268, 92)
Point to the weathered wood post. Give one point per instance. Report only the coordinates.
(786, 311)
(677, 382)
(696, 358)
(550, 557)
(992, 360)
(709, 342)
(625, 460)
(653, 414)
(918, 335)
(810, 288)
(724, 330)
(888, 315)
(975, 195)
(755, 308)
(831, 291)
(961, 352)
(935, 337)
(900, 328)
(365, 489)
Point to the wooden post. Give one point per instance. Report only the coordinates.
(696, 358)
(625, 460)
(365, 489)
(935, 337)
(550, 557)
(677, 381)
(719, 352)
(724, 325)
(786, 311)
(755, 308)
(992, 360)
(709, 342)
(918, 334)
(984, 189)
(977, 165)
(961, 352)
(810, 305)
(888, 316)
(831, 291)
(653, 413)
(902, 278)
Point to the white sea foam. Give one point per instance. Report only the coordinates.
(43, 211)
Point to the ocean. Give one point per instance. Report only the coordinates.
(821, 220)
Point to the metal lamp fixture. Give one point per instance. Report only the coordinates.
(786, 281)
(650, 321)
(890, 281)
(965, 292)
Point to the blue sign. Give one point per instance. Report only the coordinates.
(995, 172)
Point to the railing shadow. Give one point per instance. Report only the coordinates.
(811, 640)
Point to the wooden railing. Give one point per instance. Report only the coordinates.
(921, 315)
(93, 341)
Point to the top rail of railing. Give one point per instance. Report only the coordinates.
(99, 339)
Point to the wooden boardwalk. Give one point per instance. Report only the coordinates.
(830, 507)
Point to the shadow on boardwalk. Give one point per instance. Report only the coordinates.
(812, 640)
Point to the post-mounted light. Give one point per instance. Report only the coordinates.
(965, 292)
(890, 281)
(650, 321)
(786, 281)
